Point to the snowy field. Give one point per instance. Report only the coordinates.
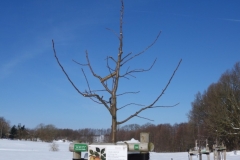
(27, 150)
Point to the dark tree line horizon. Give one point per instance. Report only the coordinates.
(215, 115)
(165, 137)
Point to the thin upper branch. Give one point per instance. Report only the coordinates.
(90, 67)
(80, 63)
(126, 56)
(141, 51)
(128, 93)
(145, 118)
(165, 106)
(115, 33)
(86, 81)
(130, 104)
(138, 70)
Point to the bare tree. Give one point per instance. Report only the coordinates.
(4, 127)
(110, 83)
(46, 133)
(217, 111)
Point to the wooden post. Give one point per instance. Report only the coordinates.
(76, 155)
(224, 154)
(208, 156)
(200, 154)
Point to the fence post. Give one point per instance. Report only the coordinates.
(76, 156)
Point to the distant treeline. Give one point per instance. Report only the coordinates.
(165, 137)
(215, 116)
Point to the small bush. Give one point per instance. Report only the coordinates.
(54, 147)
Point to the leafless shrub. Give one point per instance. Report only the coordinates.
(54, 147)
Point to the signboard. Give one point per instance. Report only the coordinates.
(117, 152)
(136, 147)
(80, 147)
(107, 152)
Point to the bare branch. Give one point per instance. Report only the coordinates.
(83, 94)
(55, 55)
(143, 50)
(129, 105)
(103, 102)
(112, 59)
(165, 106)
(90, 67)
(115, 33)
(160, 95)
(80, 63)
(133, 115)
(128, 93)
(95, 75)
(95, 101)
(99, 90)
(110, 71)
(167, 84)
(145, 105)
(145, 118)
(108, 76)
(126, 56)
(139, 70)
(86, 81)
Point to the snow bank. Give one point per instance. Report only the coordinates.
(130, 141)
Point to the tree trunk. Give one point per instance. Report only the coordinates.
(114, 120)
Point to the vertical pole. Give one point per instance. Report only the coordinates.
(224, 154)
(200, 155)
(208, 156)
(76, 155)
(214, 152)
(218, 155)
(199, 151)
(190, 157)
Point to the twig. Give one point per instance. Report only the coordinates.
(165, 106)
(86, 81)
(115, 33)
(127, 93)
(129, 105)
(145, 118)
(143, 50)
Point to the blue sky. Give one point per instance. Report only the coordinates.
(33, 89)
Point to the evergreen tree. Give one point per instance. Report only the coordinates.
(13, 132)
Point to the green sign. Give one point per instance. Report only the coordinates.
(136, 147)
(79, 147)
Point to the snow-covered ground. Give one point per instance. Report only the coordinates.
(27, 150)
